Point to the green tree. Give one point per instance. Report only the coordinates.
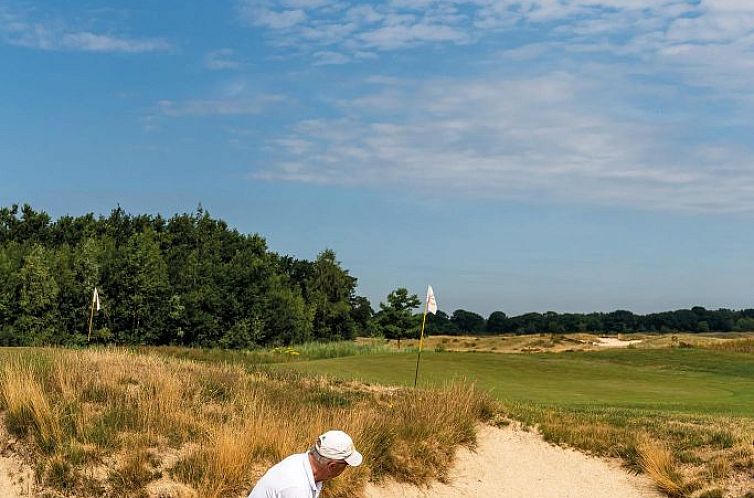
(330, 290)
(38, 298)
(288, 319)
(468, 322)
(396, 318)
(145, 284)
(497, 323)
(363, 317)
(10, 262)
(439, 323)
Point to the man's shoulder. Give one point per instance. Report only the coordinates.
(291, 470)
(293, 460)
(277, 491)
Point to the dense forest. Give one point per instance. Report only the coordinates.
(186, 280)
(193, 280)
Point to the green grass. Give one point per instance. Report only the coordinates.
(685, 380)
(685, 409)
(673, 413)
(255, 357)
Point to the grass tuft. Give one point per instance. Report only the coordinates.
(28, 411)
(657, 461)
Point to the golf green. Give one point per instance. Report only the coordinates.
(687, 380)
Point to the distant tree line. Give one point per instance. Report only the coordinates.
(694, 320)
(463, 322)
(188, 280)
(192, 280)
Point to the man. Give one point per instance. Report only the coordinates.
(301, 475)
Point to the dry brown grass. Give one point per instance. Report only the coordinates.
(745, 345)
(99, 422)
(505, 343)
(27, 407)
(558, 343)
(657, 462)
(683, 453)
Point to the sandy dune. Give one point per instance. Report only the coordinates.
(612, 342)
(15, 478)
(508, 462)
(511, 462)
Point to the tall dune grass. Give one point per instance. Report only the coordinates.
(657, 462)
(680, 452)
(745, 345)
(306, 351)
(129, 418)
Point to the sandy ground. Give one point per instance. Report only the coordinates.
(612, 342)
(15, 478)
(508, 462)
(511, 462)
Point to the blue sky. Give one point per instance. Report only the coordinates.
(529, 155)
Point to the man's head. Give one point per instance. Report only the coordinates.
(333, 452)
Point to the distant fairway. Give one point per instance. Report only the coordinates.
(684, 380)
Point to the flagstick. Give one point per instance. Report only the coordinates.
(91, 318)
(421, 341)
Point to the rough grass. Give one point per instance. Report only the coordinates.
(255, 357)
(739, 345)
(696, 403)
(581, 341)
(657, 461)
(110, 423)
(682, 453)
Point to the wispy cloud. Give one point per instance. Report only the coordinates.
(649, 26)
(224, 58)
(27, 29)
(224, 106)
(540, 138)
(632, 102)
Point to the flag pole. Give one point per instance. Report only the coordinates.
(421, 340)
(91, 318)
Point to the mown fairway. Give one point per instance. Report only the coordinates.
(684, 380)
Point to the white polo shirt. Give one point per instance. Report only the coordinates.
(291, 478)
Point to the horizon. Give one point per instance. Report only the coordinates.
(375, 303)
(533, 155)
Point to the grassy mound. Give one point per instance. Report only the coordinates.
(119, 423)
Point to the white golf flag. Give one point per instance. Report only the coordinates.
(431, 303)
(95, 299)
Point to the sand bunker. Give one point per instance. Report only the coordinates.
(513, 462)
(15, 477)
(612, 342)
(507, 462)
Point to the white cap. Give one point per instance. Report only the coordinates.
(339, 446)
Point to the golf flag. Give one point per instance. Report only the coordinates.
(430, 306)
(431, 302)
(95, 300)
(95, 306)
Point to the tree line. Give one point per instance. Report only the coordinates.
(192, 280)
(188, 280)
(397, 324)
(694, 320)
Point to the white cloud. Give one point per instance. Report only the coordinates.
(223, 58)
(611, 26)
(259, 13)
(401, 35)
(224, 106)
(539, 138)
(91, 42)
(19, 29)
(330, 58)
